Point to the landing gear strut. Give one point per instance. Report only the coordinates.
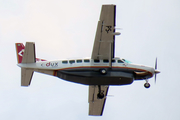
(100, 95)
(147, 85)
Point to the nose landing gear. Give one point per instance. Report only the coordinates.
(147, 85)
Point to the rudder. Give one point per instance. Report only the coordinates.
(19, 51)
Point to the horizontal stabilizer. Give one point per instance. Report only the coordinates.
(96, 105)
(26, 76)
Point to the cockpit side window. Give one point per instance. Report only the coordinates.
(126, 61)
(120, 61)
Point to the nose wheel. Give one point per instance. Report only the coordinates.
(146, 85)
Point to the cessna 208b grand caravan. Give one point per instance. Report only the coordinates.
(100, 71)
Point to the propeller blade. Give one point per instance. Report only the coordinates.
(156, 64)
(155, 70)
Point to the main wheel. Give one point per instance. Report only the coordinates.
(146, 85)
(103, 71)
(100, 95)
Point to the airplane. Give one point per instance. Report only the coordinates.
(98, 72)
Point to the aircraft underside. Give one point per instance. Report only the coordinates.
(99, 76)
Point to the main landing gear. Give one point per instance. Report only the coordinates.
(147, 85)
(100, 94)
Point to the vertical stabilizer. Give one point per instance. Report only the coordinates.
(25, 55)
(20, 51)
(29, 55)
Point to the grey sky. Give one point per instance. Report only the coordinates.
(66, 29)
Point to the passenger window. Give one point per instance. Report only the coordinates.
(113, 61)
(79, 61)
(86, 60)
(96, 61)
(105, 61)
(120, 61)
(72, 61)
(65, 62)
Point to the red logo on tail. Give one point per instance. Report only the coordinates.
(20, 50)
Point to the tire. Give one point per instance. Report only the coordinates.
(100, 95)
(147, 85)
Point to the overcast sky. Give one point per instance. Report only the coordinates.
(66, 29)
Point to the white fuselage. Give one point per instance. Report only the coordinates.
(76, 65)
(59, 65)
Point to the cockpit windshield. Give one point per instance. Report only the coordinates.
(126, 61)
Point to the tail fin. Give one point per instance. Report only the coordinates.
(20, 51)
(26, 55)
(29, 55)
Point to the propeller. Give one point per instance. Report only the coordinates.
(156, 71)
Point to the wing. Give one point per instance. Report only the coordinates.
(104, 46)
(104, 40)
(96, 105)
